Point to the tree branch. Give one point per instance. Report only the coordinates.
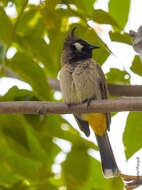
(114, 89)
(125, 90)
(35, 107)
(132, 181)
(54, 83)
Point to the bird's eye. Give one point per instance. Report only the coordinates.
(73, 47)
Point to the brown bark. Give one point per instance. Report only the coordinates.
(35, 107)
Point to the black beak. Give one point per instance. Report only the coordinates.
(93, 47)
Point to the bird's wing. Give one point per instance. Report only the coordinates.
(104, 92)
(83, 125)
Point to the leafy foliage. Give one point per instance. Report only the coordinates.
(30, 144)
(137, 66)
(103, 17)
(88, 175)
(6, 29)
(119, 10)
(118, 37)
(32, 73)
(132, 134)
(117, 76)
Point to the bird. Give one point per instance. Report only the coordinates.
(81, 81)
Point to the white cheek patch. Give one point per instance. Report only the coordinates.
(78, 46)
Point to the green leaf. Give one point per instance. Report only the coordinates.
(132, 134)
(87, 6)
(75, 169)
(70, 134)
(28, 146)
(2, 52)
(137, 66)
(5, 2)
(103, 17)
(31, 24)
(19, 4)
(20, 165)
(37, 48)
(118, 37)
(84, 6)
(40, 139)
(52, 4)
(5, 27)
(117, 76)
(57, 16)
(46, 186)
(32, 73)
(20, 185)
(54, 49)
(13, 126)
(16, 94)
(7, 176)
(42, 149)
(36, 149)
(86, 172)
(28, 19)
(119, 10)
(97, 180)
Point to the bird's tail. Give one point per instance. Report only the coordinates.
(109, 165)
(98, 123)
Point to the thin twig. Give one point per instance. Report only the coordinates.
(133, 181)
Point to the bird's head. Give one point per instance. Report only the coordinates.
(76, 49)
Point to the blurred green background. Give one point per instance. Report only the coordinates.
(29, 144)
